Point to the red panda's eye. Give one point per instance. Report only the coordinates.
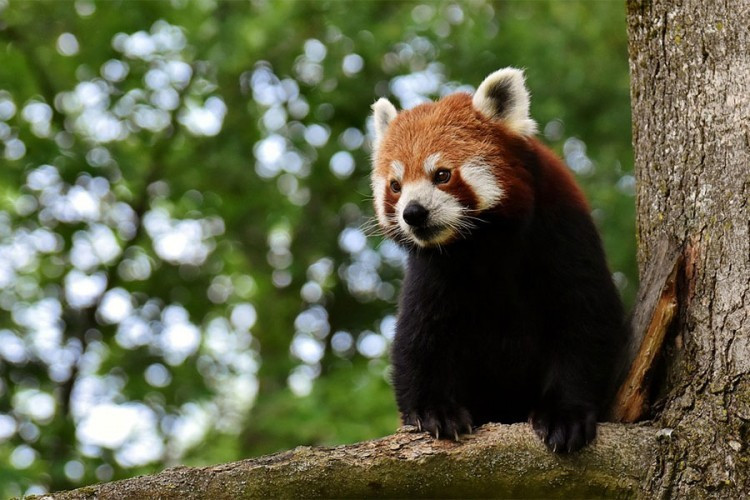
(395, 187)
(442, 176)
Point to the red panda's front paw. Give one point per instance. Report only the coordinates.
(447, 423)
(564, 431)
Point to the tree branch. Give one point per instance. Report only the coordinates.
(497, 460)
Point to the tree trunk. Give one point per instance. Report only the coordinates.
(690, 89)
(690, 69)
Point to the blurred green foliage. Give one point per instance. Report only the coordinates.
(183, 185)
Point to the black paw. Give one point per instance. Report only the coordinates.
(565, 431)
(446, 422)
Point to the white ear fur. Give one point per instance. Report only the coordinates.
(503, 96)
(383, 112)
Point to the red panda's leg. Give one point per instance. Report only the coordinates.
(426, 388)
(583, 328)
(449, 421)
(563, 425)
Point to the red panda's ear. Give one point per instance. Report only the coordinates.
(502, 96)
(383, 113)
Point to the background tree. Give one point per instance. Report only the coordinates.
(184, 273)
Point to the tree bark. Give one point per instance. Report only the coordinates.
(690, 89)
(497, 460)
(655, 310)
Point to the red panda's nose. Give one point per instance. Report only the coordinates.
(415, 214)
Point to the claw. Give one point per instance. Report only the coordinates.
(455, 435)
(419, 425)
(468, 428)
(437, 433)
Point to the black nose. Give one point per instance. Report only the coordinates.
(415, 214)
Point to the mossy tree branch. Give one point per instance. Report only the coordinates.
(496, 461)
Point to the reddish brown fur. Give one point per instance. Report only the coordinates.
(556, 182)
(453, 128)
(462, 191)
(391, 199)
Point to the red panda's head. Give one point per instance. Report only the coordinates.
(438, 167)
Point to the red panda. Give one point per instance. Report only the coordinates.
(508, 311)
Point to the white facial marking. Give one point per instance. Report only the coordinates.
(431, 164)
(378, 191)
(398, 170)
(445, 211)
(477, 174)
